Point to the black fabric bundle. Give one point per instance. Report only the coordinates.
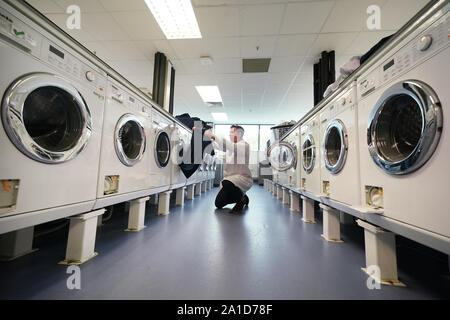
(374, 49)
(189, 166)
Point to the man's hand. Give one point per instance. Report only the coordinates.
(210, 134)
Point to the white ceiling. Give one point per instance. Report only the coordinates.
(292, 33)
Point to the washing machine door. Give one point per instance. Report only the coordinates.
(308, 154)
(282, 156)
(162, 149)
(335, 146)
(130, 140)
(404, 127)
(46, 118)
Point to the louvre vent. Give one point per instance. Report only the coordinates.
(255, 65)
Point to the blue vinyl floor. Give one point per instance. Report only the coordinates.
(198, 252)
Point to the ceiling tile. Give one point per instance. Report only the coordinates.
(102, 27)
(258, 47)
(294, 45)
(134, 67)
(120, 50)
(165, 47)
(47, 6)
(147, 48)
(139, 25)
(81, 35)
(121, 5)
(395, 13)
(339, 42)
(218, 21)
(86, 6)
(349, 15)
(305, 17)
(364, 41)
(285, 64)
(214, 47)
(261, 20)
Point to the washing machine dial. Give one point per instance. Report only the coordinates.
(343, 101)
(424, 42)
(90, 75)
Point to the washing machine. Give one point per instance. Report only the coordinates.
(339, 168)
(310, 156)
(284, 159)
(160, 164)
(181, 140)
(52, 113)
(124, 156)
(404, 137)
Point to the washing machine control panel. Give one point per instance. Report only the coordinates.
(18, 34)
(423, 45)
(69, 64)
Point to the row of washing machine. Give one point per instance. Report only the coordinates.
(73, 138)
(382, 144)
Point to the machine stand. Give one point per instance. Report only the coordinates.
(190, 192)
(198, 189)
(295, 203)
(331, 224)
(136, 214)
(308, 210)
(81, 239)
(16, 244)
(381, 255)
(164, 203)
(203, 186)
(180, 196)
(286, 196)
(208, 184)
(154, 199)
(279, 193)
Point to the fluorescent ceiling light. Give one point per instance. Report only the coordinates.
(219, 116)
(175, 17)
(209, 93)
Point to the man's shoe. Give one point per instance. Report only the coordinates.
(246, 200)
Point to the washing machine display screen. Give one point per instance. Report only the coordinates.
(163, 149)
(399, 128)
(131, 139)
(53, 119)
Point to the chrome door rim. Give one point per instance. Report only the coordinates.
(164, 164)
(432, 119)
(291, 148)
(118, 143)
(343, 150)
(13, 122)
(309, 169)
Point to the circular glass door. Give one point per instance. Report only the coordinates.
(162, 149)
(46, 118)
(404, 127)
(335, 146)
(282, 156)
(130, 140)
(308, 154)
